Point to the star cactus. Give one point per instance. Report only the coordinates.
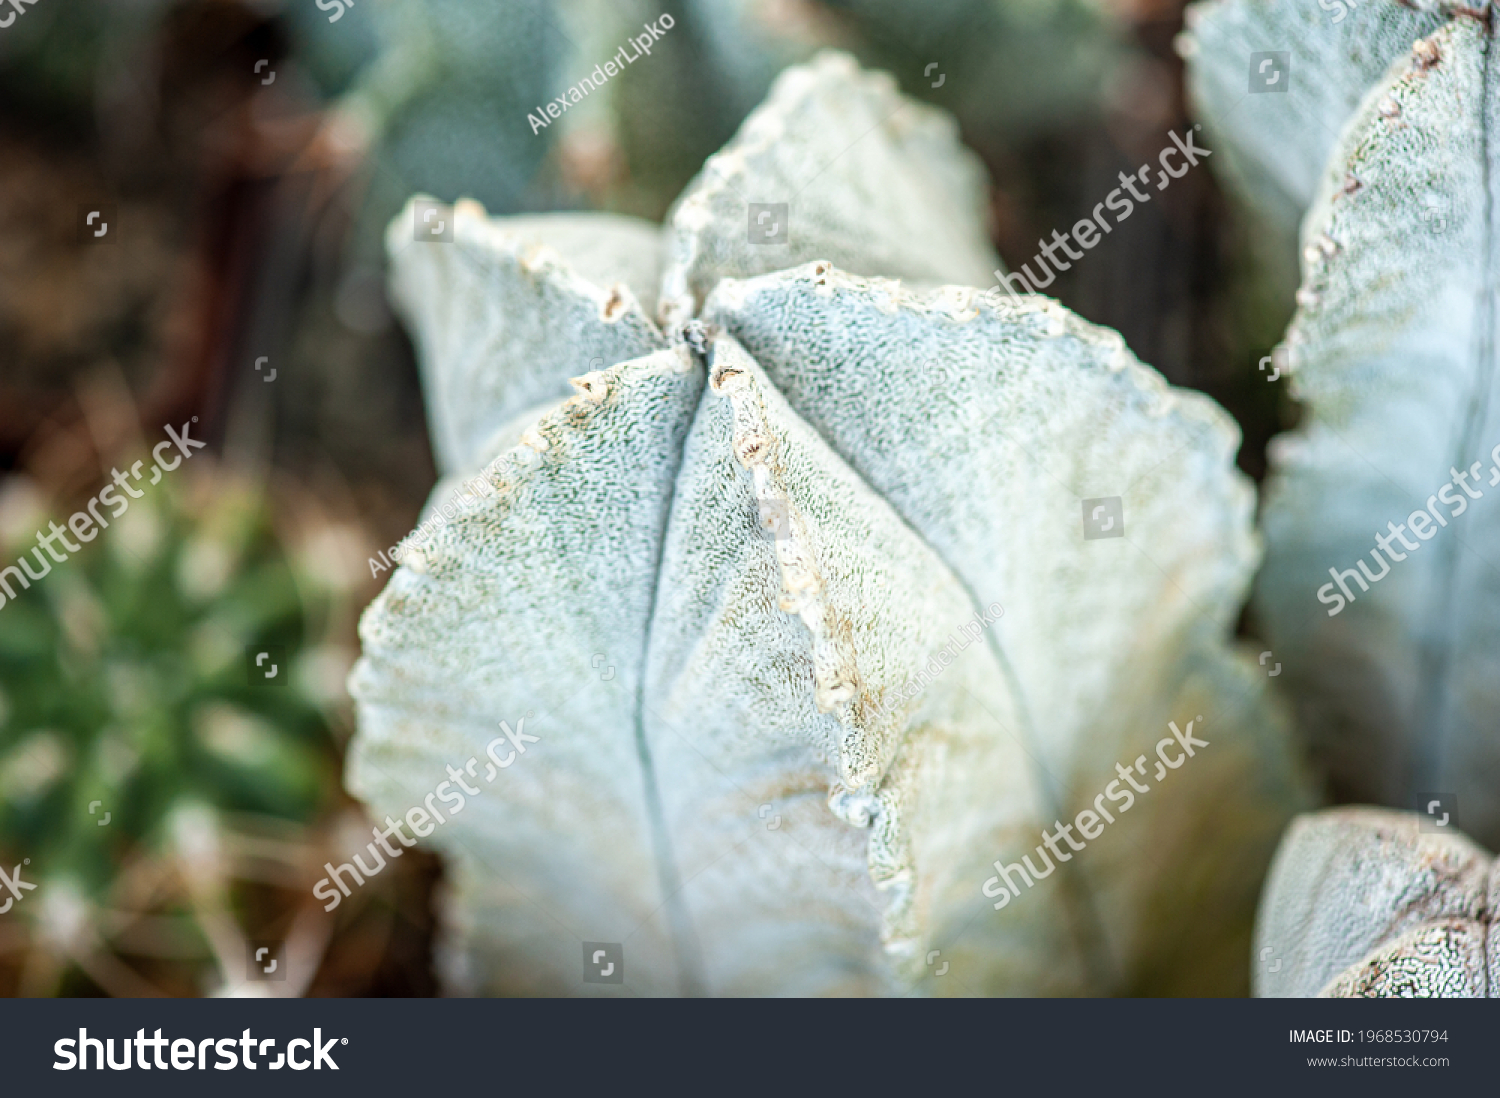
(813, 598)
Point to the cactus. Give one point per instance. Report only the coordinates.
(436, 97)
(141, 749)
(1366, 903)
(806, 601)
(1377, 592)
(1274, 131)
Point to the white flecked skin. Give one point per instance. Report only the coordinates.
(708, 576)
(581, 302)
(1363, 902)
(1270, 148)
(876, 184)
(1392, 352)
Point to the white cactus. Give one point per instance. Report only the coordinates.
(768, 519)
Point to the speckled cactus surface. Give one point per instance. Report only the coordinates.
(814, 599)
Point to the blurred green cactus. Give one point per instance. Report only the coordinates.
(131, 721)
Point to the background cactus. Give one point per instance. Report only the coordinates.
(1377, 582)
(1391, 659)
(1374, 904)
(1273, 142)
(134, 733)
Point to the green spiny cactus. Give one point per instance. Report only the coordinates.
(131, 719)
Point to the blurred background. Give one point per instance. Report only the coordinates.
(175, 802)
